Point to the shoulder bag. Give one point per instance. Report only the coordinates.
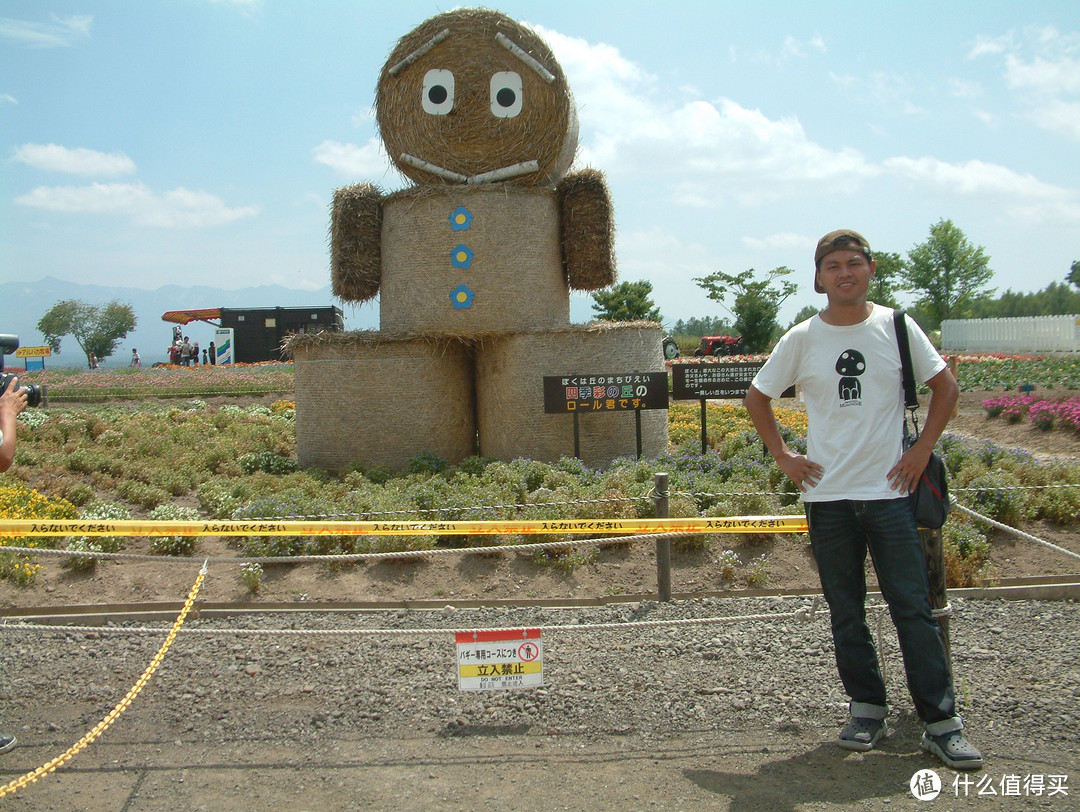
(930, 499)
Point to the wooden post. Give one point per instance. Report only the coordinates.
(953, 364)
(934, 550)
(663, 546)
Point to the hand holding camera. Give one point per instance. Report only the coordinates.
(31, 395)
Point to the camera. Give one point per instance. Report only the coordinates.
(35, 395)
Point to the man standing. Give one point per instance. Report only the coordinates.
(12, 401)
(854, 479)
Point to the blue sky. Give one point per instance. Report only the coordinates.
(199, 142)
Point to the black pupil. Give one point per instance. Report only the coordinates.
(506, 97)
(437, 94)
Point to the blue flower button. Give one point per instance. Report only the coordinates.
(461, 297)
(460, 219)
(461, 257)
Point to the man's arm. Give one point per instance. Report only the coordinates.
(944, 393)
(801, 470)
(12, 402)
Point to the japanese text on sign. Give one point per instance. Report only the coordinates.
(605, 393)
(714, 381)
(499, 660)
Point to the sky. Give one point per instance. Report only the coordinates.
(199, 141)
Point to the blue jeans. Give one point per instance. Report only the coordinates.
(841, 532)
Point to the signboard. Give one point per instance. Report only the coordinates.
(715, 381)
(224, 345)
(623, 392)
(33, 352)
(500, 659)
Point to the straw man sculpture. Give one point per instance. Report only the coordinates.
(474, 263)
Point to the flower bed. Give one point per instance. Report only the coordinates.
(1041, 412)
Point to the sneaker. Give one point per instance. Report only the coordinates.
(861, 733)
(6, 743)
(954, 750)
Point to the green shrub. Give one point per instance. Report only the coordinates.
(967, 554)
(174, 545)
(427, 463)
(268, 461)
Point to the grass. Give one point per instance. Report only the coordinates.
(150, 456)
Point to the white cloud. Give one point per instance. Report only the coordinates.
(60, 32)
(79, 161)
(1021, 195)
(1043, 67)
(7, 98)
(178, 208)
(780, 240)
(985, 45)
(369, 160)
(1045, 76)
(795, 48)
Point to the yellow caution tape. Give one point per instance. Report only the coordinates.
(121, 706)
(80, 527)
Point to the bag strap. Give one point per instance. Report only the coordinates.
(911, 400)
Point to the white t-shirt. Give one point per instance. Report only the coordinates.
(852, 383)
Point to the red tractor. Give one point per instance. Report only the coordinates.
(721, 346)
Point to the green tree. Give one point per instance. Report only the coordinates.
(1074, 273)
(97, 328)
(888, 277)
(756, 301)
(627, 301)
(947, 273)
(809, 311)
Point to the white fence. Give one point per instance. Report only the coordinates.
(1023, 334)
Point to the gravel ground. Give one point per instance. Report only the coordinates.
(739, 714)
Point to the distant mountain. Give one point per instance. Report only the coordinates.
(22, 304)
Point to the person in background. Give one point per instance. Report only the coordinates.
(204, 357)
(12, 403)
(213, 354)
(136, 361)
(185, 353)
(854, 479)
(195, 353)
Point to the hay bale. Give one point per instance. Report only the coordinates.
(514, 267)
(587, 230)
(468, 140)
(510, 393)
(363, 398)
(355, 228)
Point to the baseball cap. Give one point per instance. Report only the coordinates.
(843, 240)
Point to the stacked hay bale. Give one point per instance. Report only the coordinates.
(512, 419)
(473, 266)
(362, 398)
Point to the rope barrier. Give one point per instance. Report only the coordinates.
(121, 706)
(804, 614)
(1015, 532)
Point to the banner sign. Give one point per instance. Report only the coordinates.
(224, 347)
(715, 381)
(500, 659)
(623, 392)
(33, 352)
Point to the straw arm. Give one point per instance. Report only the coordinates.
(587, 230)
(355, 244)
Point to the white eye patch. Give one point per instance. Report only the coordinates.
(505, 94)
(437, 97)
